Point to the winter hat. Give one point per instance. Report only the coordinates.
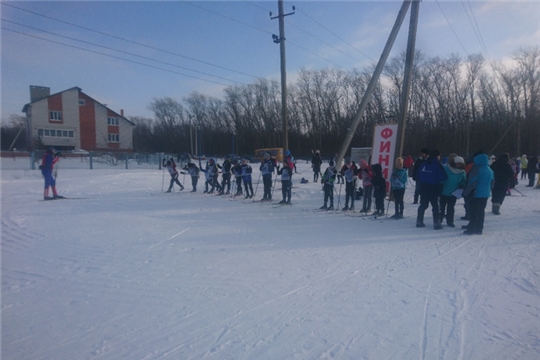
(288, 152)
(459, 160)
(266, 156)
(424, 151)
(331, 163)
(399, 162)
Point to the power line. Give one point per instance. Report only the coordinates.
(479, 32)
(452, 28)
(123, 52)
(131, 41)
(112, 56)
(331, 32)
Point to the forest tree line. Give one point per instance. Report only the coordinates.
(456, 105)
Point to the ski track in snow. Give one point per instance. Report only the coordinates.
(131, 272)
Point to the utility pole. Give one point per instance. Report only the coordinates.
(281, 41)
(409, 63)
(374, 79)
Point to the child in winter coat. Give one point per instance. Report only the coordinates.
(171, 168)
(379, 189)
(193, 171)
(246, 178)
(349, 171)
(365, 174)
(455, 170)
(286, 183)
(328, 179)
(398, 180)
(225, 176)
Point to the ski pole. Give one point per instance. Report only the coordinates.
(339, 196)
(257, 186)
(162, 178)
(273, 185)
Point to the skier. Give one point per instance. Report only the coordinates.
(328, 179)
(286, 182)
(193, 171)
(290, 160)
(267, 169)
(366, 175)
(379, 189)
(48, 161)
(237, 172)
(211, 173)
(423, 156)
(398, 180)
(349, 171)
(225, 176)
(171, 168)
(246, 178)
(316, 162)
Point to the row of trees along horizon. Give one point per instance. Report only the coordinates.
(456, 105)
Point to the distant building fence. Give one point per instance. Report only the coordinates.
(24, 160)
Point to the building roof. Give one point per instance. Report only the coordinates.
(25, 107)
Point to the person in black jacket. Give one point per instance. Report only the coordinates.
(316, 162)
(379, 189)
(503, 175)
(225, 176)
(423, 156)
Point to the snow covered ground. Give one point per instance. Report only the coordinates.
(130, 272)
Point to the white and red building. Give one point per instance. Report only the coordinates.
(72, 120)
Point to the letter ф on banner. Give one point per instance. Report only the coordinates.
(384, 146)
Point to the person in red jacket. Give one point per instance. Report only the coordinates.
(48, 161)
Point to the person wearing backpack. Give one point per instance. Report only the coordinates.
(430, 175)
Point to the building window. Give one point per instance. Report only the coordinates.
(82, 102)
(55, 133)
(55, 115)
(114, 138)
(112, 121)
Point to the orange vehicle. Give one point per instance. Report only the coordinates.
(276, 153)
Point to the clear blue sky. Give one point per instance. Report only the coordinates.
(204, 46)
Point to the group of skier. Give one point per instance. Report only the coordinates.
(438, 184)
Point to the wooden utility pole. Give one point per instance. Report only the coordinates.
(409, 64)
(374, 79)
(281, 41)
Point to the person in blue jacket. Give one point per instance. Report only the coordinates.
(478, 189)
(457, 178)
(49, 159)
(430, 175)
(398, 181)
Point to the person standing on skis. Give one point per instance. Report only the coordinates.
(171, 168)
(48, 161)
